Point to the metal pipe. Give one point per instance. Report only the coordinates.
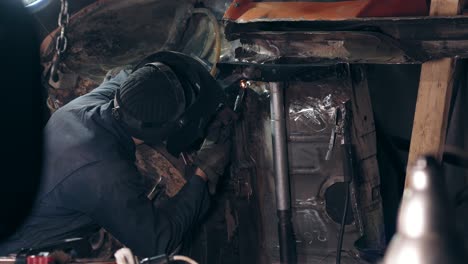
(280, 160)
(280, 148)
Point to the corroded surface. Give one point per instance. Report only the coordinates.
(108, 34)
(105, 35)
(153, 165)
(60, 97)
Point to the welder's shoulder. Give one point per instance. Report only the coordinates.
(67, 128)
(102, 94)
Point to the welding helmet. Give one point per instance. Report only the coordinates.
(169, 97)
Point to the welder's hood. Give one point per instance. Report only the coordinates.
(203, 94)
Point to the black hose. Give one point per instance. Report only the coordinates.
(347, 151)
(343, 225)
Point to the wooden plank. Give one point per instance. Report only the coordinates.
(434, 96)
(446, 7)
(367, 181)
(430, 119)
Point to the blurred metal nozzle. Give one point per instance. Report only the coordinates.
(426, 224)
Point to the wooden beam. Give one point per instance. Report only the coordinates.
(430, 119)
(434, 96)
(446, 7)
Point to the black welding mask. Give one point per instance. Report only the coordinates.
(193, 100)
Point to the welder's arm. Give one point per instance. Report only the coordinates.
(103, 93)
(112, 193)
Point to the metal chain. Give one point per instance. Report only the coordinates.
(61, 41)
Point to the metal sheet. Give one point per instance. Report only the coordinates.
(310, 173)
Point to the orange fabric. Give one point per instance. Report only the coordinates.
(238, 8)
(295, 10)
(246, 10)
(395, 8)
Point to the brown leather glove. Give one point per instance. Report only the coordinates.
(215, 153)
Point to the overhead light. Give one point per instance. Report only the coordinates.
(36, 5)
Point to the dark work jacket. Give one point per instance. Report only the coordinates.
(90, 181)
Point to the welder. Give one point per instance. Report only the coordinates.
(90, 180)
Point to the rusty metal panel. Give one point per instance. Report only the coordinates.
(322, 47)
(108, 34)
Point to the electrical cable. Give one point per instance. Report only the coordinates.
(343, 225)
(125, 256)
(217, 33)
(347, 150)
